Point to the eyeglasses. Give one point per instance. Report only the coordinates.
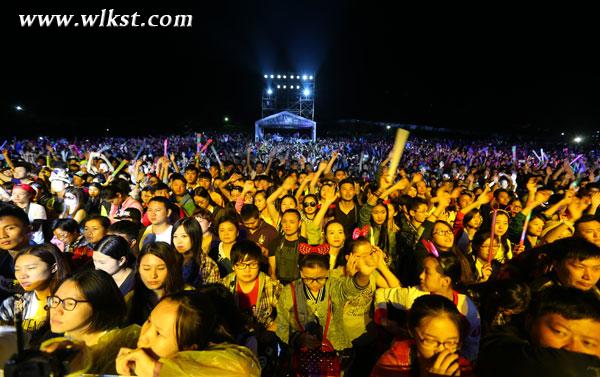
(450, 345)
(444, 232)
(496, 246)
(310, 204)
(243, 266)
(68, 304)
(321, 280)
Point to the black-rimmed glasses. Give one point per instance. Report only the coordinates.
(68, 303)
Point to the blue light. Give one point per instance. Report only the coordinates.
(304, 77)
(284, 77)
(310, 77)
(18, 108)
(266, 76)
(269, 91)
(306, 92)
(278, 76)
(278, 86)
(272, 76)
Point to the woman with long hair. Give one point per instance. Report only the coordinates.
(198, 269)
(158, 274)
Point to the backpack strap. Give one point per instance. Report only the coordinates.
(296, 316)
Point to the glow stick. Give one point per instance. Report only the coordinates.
(105, 148)
(524, 232)
(208, 142)
(198, 143)
(570, 163)
(514, 153)
(118, 169)
(492, 239)
(212, 147)
(3, 144)
(399, 143)
(165, 147)
(137, 156)
(538, 157)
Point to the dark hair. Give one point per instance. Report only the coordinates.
(229, 219)
(144, 299)
(159, 186)
(383, 242)
(105, 298)
(346, 181)
(291, 197)
(584, 219)
(10, 210)
(449, 265)
(469, 216)
(249, 212)
(570, 303)
(229, 323)
(205, 175)
(313, 260)
(178, 177)
(160, 199)
(292, 210)
(433, 306)
(191, 168)
(103, 220)
(196, 319)
(245, 250)
(572, 248)
(415, 202)
(115, 247)
(68, 225)
(194, 231)
(79, 195)
(127, 228)
(52, 256)
(479, 238)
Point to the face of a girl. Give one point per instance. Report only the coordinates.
(201, 201)
(204, 224)
(153, 272)
(430, 278)
(484, 249)
(106, 263)
(94, 231)
(435, 334)
(159, 331)
(501, 224)
(71, 201)
(32, 273)
(475, 221)
(309, 205)
(65, 237)
(228, 232)
(260, 202)
(94, 192)
(62, 320)
(335, 235)
(287, 203)
(246, 271)
(379, 214)
(181, 240)
(535, 227)
(443, 238)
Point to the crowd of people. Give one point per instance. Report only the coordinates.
(213, 255)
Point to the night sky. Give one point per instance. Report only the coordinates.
(501, 69)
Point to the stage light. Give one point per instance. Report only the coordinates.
(304, 77)
(278, 86)
(284, 76)
(284, 87)
(310, 77)
(278, 76)
(18, 108)
(272, 76)
(297, 77)
(226, 119)
(266, 76)
(578, 139)
(388, 127)
(269, 91)
(306, 92)
(297, 86)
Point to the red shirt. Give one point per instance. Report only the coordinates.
(247, 300)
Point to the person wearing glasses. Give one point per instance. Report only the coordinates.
(310, 205)
(88, 310)
(38, 271)
(74, 205)
(481, 250)
(435, 327)
(441, 275)
(256, 294)
(310, 309)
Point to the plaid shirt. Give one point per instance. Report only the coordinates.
(209, 270)
(268, 295)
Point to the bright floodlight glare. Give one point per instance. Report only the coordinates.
(562, 134)
(278, 86)
(278, 76)
(306, 92)
(269, 91)
(310, 77)
(226, 119)
(388, 127)
(297, 86)
(266, 76)
(304, 77)
(272, 76)
(297, 77)
(578, 139)
(18, 108)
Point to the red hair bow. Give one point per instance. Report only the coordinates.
(360, 232)
(305, 249)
